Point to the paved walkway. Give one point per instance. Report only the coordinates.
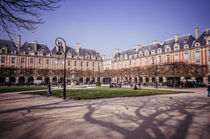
(174, 116)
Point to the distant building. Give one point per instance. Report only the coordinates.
(107, 62)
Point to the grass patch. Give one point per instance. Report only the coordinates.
(20, 88)
(106, 92)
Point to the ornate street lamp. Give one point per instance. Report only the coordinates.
(60, 42)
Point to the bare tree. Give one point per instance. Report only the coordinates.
(23, 14)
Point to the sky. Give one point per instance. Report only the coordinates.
(103, 25)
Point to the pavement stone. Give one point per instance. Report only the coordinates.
(175, 116)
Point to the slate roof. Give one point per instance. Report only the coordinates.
(8, 44)
(182, 40)
(27, 46)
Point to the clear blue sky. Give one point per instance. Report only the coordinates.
(107, 24)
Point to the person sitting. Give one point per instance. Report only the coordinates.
(208, 88)
(135, 87)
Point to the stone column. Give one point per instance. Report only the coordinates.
(16, 80)
(144, 79)
(84, 80)
(164, 79)
(7, 79)
(150, 79)
(193, 78)
(157, 79)
(182, 79)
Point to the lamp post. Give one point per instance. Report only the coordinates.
(60, 42)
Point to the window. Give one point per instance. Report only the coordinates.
(3, 59)
(146, 53)
(31, 60)
(55, 62)
(130, 62)
(159, 59)
(153, 52)
(22, 60)
(3, 51)
(146, 60)
(69, 63)
(13, 60)
(197, 44)
(176, 57)
(167, 58)
(93, 64)
(140, 62)
(209, 52)
(153, 60)
(81, 64)
(186, 46)
(62, 62)
(48, 61)
(197, 54)
(208, 42)
(159, 51)
(176, 47)
(186, 56)
(75, 63)
(40, 61)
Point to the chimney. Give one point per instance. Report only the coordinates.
(77, 47)
(176, 37)
(116, 51)
(19, 42)
(196, 33)
(35, 46)
(154, 42)
(138, 47)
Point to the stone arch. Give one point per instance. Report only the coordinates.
(39, 78)
(12, 80)
(31, 80)
(46, 79)
(2, 80)
(21, 80)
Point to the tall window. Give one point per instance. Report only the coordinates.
(209, 53)
(159, 59)
(167, 58)
(31, 60)
(3, 59)
(81, 64)
(130, 62)
(197, 54)
(40, 61)
(153, 60)
(186, 57)
(22, 60)
(146, 60)
(93, 64)
(87, 64)
(75, 63)
(13, 60)
(69, 63)
(176, 57)
(48, 61)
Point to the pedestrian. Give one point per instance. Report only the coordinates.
(208, 88)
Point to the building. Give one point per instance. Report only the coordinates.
(184, 48)
(37, 57)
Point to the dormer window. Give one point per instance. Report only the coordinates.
(140, 54)
(126, 56)
(197, 44)
(167, 48)
(159, 50)
(176, 47)
(153, 52)
(3, 51)
(130, 56)
(146, 53)
(29, 47)
(186, 46)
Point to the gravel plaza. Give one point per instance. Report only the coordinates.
(174, 116)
